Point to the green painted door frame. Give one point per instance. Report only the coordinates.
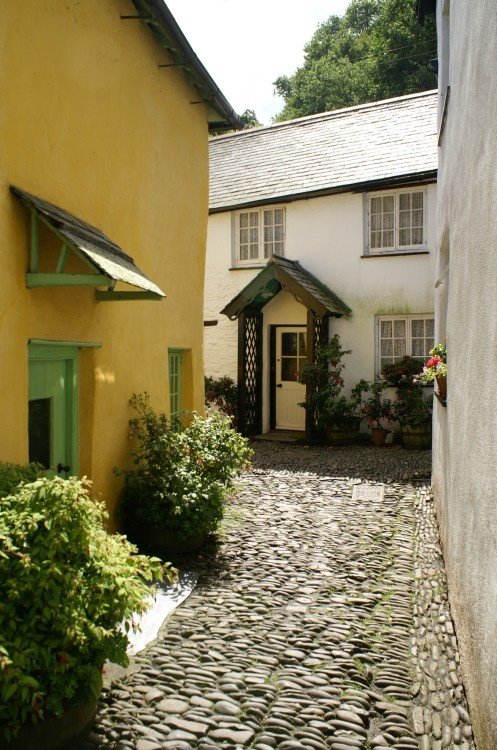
(53, 404)
(175, 362)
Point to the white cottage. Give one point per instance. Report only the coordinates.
(320, 225)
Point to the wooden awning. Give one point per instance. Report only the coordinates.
(281, 273)
(106, 262)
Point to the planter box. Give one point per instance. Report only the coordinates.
(417, 437)
(342, 434)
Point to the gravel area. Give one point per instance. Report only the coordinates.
(320, 621)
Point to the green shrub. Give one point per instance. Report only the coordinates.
(12, 475)
(182, 474)
(67, 585)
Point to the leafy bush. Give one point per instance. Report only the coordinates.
(182, 474)
(223, 393)
(67, 585)
(376, 407)
(324, 399)
(411, 406)
(12, 475)
(402, 373)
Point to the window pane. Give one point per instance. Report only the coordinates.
(254, 219)
(243, 252)
(288, 343)
(417, 218)
(254, 252)
(302, 346)
(430, 327)
(404, 219)
(417, 236)
(399, 328)
(388, 221)
(268, 218)
(278, 248)
(418, 348)
(404, 201)
(388, 203)
(375, 205)
(417, 200)
(278, 233)
(399, 347)
(278, 216)
(268, 234)
(243, 220)
(405, 237)
(254, 235)
(289, 368)
(244, 236)
(418, 328)
(375, 222)
(386, 329)
(429, 344)
(375, 239)
(386, 348)
(388, 239)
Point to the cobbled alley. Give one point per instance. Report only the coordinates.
(320, 620)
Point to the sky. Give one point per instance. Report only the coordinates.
(245, 46)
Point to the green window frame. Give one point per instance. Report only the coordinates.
(175, 372)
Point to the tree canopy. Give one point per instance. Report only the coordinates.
(375, 51)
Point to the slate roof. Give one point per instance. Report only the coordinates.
(105, 255)
(383, 142)
(282, 273)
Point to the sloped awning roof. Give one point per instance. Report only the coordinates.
(282, 273)
(89, 243)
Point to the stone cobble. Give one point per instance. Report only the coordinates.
(320, 621)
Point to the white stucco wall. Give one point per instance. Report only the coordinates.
(326, 235)
(465, 455)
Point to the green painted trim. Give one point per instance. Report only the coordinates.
(77, 344)
(61, 263)
(33, 264)
(126, 296)
(66, 279)
(173, 354)
(70, 354)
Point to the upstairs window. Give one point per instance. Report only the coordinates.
(260, 234)
(401, 335)
(396, 222)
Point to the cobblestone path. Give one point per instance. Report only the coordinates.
(320, 622)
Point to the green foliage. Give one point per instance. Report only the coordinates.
(67, 585)
(324, 399)
(182, 475)
(375, 51)
(12, 475)
(401, 374)
(376, 407)
(223, 393)
(411, 406)
(249, 119)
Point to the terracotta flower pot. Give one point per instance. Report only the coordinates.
(378, 436)
(442, 386)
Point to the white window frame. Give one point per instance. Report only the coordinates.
(396, 247)
(409, 320)
(260, 260)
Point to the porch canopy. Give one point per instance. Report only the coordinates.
(321, 303)
(106, 262)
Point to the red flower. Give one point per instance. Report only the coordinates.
(433, 362)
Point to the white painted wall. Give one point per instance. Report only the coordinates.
(465, 449)
(326, 236)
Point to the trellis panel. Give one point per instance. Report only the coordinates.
(250, 372)
(317, 333)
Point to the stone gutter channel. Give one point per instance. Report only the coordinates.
(320, 621)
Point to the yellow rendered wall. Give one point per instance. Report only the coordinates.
(89, 122)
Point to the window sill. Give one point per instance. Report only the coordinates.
(395, 253)
(247, 268)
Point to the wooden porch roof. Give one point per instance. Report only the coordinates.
(281, 273)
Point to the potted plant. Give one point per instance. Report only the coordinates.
(222, 393)
(175, 494)
(328, 407)
(402, 373)
(436, 369)
(69, 590)
(414, 412)
(374, 409)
